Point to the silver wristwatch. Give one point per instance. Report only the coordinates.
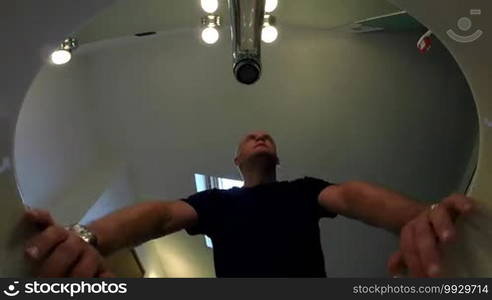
(84, 233)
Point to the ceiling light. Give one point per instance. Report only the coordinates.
(60, 57)
(270, 5)
(269, 34)
(210, 6)
(210, 35)
(64, 53)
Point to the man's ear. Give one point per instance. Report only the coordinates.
(236, 161)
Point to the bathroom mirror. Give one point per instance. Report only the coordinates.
(147, 101)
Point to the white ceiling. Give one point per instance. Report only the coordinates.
(128, 17)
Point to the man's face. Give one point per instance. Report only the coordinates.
(255, 144)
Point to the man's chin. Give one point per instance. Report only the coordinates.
(265, 155)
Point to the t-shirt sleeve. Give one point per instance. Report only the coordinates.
(207, 206)
(312, 187)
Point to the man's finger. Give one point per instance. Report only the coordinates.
(87, 266)
(62, 258)
(396, 264)
(459, 204)
(442, 223)
(43, 243)
(40, 218)
(409, 250)
(429, 254)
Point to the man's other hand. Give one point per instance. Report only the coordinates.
(57, 252)
(422, 239)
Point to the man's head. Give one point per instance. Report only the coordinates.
(256, 147)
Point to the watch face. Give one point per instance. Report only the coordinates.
(85, 234)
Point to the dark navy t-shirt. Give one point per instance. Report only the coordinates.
(269, 230)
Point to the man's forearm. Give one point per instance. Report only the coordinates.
(130, 226)
(379, 206)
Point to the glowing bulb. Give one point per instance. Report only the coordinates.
(210, 35)
(269, 34)
(210, 6)
(270, 5)
(60, 57)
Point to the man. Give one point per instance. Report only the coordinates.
(265, 229)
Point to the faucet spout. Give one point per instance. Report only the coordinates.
(246, 24)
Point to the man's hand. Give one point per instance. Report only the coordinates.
(57, 252)
(422, 239)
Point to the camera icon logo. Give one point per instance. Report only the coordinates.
(465, 24)
(11, 291)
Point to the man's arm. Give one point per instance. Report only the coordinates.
(423, 229)
(142, 222)
(371, 204)
(57, 252)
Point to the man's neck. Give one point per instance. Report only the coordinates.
(256, 175)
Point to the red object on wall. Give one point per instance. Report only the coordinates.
(425, 42)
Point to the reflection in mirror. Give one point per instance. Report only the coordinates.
(344, 92)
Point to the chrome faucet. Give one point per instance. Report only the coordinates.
(246, 25)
